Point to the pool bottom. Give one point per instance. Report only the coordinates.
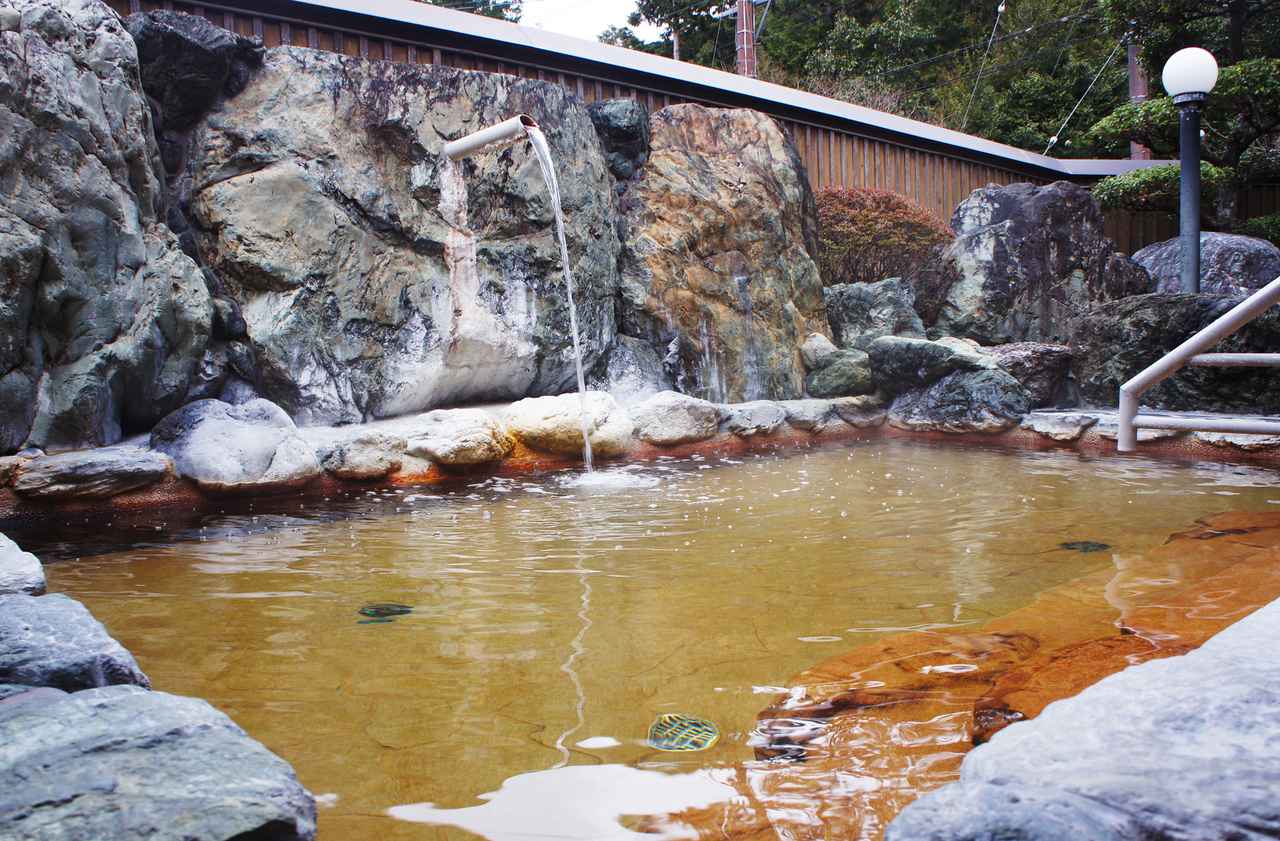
(551, 624)
(908, 707)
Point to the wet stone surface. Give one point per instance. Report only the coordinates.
(54, 641)
(124, 763)
(91, 474)
(20, 572)
(1173, 748)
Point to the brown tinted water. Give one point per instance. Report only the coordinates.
(552, 624)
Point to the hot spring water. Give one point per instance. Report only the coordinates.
(545, 618)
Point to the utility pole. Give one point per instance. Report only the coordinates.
(1139, 90)
(675, 43)
(744, 39)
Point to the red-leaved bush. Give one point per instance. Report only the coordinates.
(868, 235)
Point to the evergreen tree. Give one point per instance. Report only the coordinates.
(1241, 116)
(940, 61)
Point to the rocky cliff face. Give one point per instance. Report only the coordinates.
(717, 272)
(316, 198)
(103, 320)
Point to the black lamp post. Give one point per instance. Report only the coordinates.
(1188, 76)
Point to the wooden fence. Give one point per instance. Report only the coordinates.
(934, 167)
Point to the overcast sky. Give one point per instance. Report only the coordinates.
(580, 18)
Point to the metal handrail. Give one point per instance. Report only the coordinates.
(1185, 354)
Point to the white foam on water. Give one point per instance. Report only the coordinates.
(578, 801)
(608, 480)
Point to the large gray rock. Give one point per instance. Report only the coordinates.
(1180, 748)
(758, 417)
(127, 764)
(187, 63)
(460, 437)
(717, 273)
(809, 415)
(1059, 426)
(862, 312)
(363, 455)
(1026, 262)
(1118, 339)
(815, 348)
(1230, 264)
(553, 424)
(670, 418)
(224, 448)
(20, 572)
(316, 197)
(987, 400)
(901, 364)
(54, 641)
(623, 126)
(1042, 369)
(844, 373)
(91, 474)
(103, 319)
(863, 411)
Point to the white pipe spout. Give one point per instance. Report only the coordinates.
(491, 139)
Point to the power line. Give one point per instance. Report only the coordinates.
(998, 68)
(978, 78)
(968, 47)
(1098, 75)
(1070, 32)
(715, 52)
(759, 29)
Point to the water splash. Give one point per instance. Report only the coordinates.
(543, 153)
(608, 480)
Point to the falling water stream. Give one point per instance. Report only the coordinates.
(543, 152)
(460, 255)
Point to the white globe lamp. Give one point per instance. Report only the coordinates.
(1188, 76)
(1190, 71)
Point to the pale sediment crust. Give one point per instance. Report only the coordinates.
(174, 492)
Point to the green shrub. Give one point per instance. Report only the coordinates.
(1156, 188)
(868, 235)
(1260, 164)
(1263, 227)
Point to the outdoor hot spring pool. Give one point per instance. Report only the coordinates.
(547, 624)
